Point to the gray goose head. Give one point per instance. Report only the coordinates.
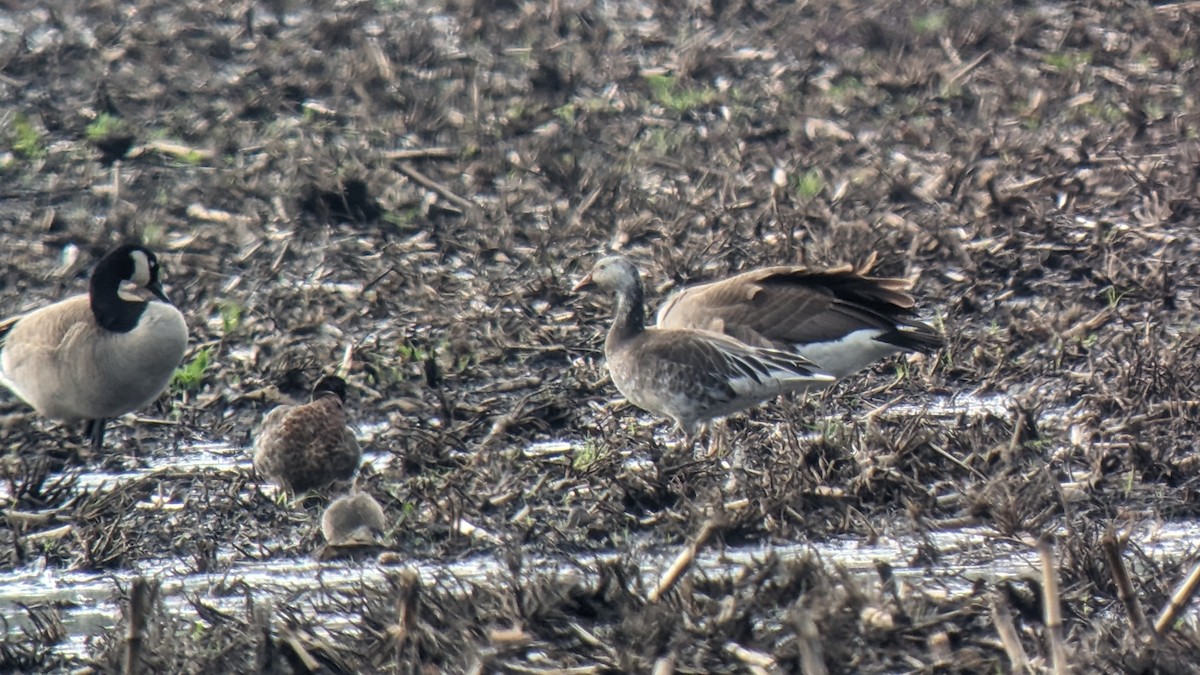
(841, 319)
(691, 376)
(97, 356)
(308, 446)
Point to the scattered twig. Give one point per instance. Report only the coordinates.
(577, 213)
(1002, 617)
(499, 428)
(347, 361)
(177, 150)
(299, 652)
(449, 195)
(812, 660)
(1120, 576)
(682, 561)
(957, 76)
(142, 594)
(665, 665)
(756, 662)
(1052, 607)
(50, 535)
(509, 637)
(468, 529)
(1178, 602)
(421, 153)
(264, 655)
(379, 277)
(939, 649)
(408, 604)
(199, 211)
(577, 670)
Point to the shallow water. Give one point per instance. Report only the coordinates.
(88, 599)
(88, 604)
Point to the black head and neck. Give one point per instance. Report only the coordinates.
(330, 385)
(131, 263)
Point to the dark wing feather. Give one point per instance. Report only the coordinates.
(307, 446)
(782, 306)
(716, 367)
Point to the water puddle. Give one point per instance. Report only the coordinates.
(87, 601)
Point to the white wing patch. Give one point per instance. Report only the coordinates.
(848, 355)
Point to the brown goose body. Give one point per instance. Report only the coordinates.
(308, 446)
(353, 519)
(101, 355)
(691, 376)
(840, 319)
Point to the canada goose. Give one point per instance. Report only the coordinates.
(308, 446)
(840, 319)
(97, 356)
(353, 519)
(691, 376)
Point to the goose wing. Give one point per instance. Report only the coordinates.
(786, 306)
(40, 341)
(671, 368)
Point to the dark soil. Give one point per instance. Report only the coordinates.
(422, 184)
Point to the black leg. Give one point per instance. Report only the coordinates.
(95, 430)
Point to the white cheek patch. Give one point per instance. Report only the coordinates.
(141, 268)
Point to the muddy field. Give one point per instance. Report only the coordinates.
(412, 189)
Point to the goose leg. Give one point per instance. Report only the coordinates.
(689, 440)
(94, 429)
(716, 438)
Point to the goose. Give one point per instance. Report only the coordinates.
(840, 318)
(99, 355)
(308, 446)
(691, 376)
(353, 519)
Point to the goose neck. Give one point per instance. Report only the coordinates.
(630, 318)
(113, 312)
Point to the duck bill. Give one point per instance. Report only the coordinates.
(584, 284)
(156, 288)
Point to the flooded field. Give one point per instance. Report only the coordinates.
(86, 604)
(407, 192)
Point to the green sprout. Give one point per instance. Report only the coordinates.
(402, 218)
(566, 112)
(1066, 61)
(24, 138)
(929, 22)
(104, 126)
(809, 185)
(587, 455)
(231, 317)
(189, 376)
(411, 352)
(670, 94)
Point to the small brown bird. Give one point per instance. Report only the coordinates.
(691, 376)
(98, 356)
(840, 319)
(309, 446)
(353, 520)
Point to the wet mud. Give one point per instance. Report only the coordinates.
(411, 189)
